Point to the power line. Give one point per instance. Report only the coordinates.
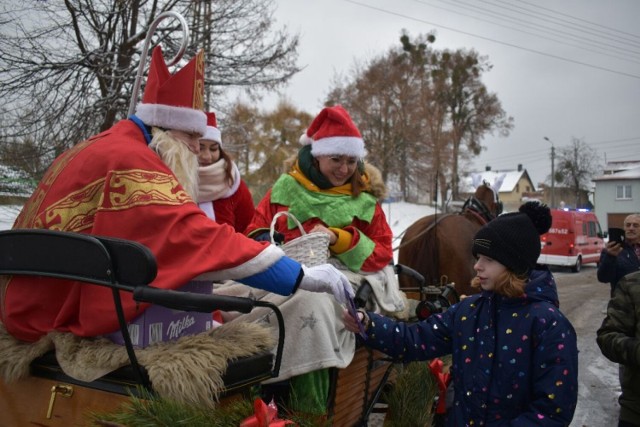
(613, 149)
(635, 138)
(622, 73)
(587, 48)
(541, 28)
(580, 19)
(544, 17)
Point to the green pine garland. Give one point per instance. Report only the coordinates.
(411, 398)
(151, 411)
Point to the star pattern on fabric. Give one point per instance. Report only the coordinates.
(308, 321)
(267, 319)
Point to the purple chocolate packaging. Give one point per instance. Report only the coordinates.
(159, 324)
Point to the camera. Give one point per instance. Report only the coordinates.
(616, 235)
(437, 300)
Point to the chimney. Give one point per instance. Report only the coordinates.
(519, 167)
(487, 168)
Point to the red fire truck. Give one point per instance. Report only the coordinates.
(575, 238)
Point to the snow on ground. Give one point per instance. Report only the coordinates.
(8, 214)
(399, 214)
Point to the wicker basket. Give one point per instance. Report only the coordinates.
(309, 249)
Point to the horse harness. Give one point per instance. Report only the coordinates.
(479, 210)
(472, 205)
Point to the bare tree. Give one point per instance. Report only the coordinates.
(264, 141)
(471, 109)
(421, 112)
(67, 67)
(383, 95)
(576, 166)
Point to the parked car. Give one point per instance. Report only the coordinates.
(575, 238)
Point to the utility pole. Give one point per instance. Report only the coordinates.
(553, 178)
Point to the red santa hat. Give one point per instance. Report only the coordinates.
(212, 133)
(174, 101)
(333, 132)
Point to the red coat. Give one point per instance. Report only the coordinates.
(114, 185)
(235, 210)
(370, 247)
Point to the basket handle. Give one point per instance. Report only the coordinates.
(275, 219)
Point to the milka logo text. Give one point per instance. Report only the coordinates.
(176, 327)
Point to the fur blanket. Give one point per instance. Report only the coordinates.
(188, 370)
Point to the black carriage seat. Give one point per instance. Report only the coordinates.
(123, 265)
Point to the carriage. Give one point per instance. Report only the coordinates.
(56, 398)
(46, 395)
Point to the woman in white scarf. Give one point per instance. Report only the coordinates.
(222, 194)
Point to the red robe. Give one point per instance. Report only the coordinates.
(114, 185)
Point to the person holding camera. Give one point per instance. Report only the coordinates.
(619, 341)
(514, 354)
(620, 258)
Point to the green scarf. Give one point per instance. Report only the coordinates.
(334, 210)
(305, 162)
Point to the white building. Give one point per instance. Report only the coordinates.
(617, 193)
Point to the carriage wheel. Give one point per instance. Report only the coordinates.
(576, 268)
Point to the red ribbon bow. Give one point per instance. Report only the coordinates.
(442, 380)
(264, 416)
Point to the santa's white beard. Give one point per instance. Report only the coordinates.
(182, 162)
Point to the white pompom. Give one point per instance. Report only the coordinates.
(305, 139)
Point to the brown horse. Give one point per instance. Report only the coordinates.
(439, 246)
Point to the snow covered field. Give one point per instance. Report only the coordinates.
(399, 214)
(8, 214)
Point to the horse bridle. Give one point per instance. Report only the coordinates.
(476, 206)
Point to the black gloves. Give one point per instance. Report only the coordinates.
(266, 237)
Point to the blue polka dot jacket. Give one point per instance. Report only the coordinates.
(514, 360)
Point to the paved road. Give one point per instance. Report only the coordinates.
(583, 300)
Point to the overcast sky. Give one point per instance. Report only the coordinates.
(561, 68)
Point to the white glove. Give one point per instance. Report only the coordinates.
(327, 278)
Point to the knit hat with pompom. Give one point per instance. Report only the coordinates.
(513, 239)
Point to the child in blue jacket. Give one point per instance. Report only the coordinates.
(514, 354)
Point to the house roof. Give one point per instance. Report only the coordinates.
(620, 165)
(628, 174)
(503, 181)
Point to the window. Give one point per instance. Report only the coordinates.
(623, 192)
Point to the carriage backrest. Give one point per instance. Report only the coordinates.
(106, 261)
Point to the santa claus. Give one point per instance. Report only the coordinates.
(138, 181)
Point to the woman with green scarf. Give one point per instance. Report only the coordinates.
(328, 189)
